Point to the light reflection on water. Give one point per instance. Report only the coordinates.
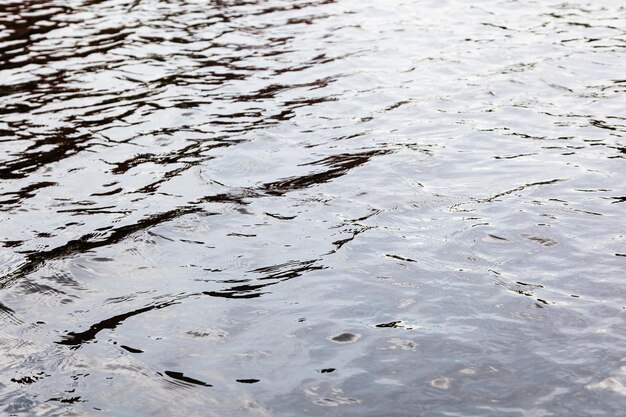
(312, 208)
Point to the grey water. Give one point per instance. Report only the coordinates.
(312, 208)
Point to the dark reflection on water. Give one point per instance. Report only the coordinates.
(346, 208)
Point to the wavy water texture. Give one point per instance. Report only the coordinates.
(323, 207)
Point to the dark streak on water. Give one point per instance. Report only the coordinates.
(180, 377)
(364, 208)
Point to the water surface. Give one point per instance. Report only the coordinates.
(325, 208)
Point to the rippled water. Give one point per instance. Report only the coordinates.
(325, 208)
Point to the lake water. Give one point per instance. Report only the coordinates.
(343, 208)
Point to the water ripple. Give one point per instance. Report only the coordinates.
(320, 207)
